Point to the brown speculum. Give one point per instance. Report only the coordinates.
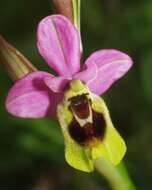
(80, 106)
(91, 131)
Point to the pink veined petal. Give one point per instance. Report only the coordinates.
(56, 84)
(111, 66)
(31, 98)
(59, 44)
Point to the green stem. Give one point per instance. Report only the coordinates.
(76, 4)
(117, 176)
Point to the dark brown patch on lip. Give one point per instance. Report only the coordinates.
(80, 106)
(90, 131)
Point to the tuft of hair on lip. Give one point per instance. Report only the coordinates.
(78, 96)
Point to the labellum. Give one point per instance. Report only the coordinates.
(87, 128)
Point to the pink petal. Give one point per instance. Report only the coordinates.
(58, 43)
(88, 74)
(31, 98)
(111, 65)
(56, 84)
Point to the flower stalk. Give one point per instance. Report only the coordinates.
(76, 18)
(117, 176)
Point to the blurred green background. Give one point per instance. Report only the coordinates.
(32, 151)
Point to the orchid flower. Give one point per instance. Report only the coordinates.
(73, 95)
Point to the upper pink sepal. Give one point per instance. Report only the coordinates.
(31, 98)
(111, 65)
(58, 43)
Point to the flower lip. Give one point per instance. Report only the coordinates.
(92, 129)
(90, 138)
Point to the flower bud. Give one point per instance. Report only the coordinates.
(16, 65)
(64, 7)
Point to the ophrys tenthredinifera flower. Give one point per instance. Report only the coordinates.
(73, 95)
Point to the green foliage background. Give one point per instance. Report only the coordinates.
(32, 151)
